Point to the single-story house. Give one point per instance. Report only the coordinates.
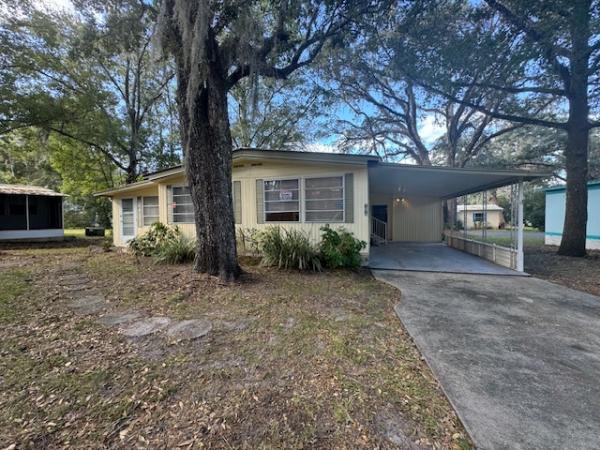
(479, 216)
(375, 200)
(30, 212)
(555, 215)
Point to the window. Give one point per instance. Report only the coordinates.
(127, 217)
(183, 208)
(149, 210)
(324, 199)
(282, 200)
(478, 217)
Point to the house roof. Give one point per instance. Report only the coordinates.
(488, 207)
(442, 182)
(434, 181)
(594, 184)
(248, 153)
(23, 189)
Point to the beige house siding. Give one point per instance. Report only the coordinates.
(116, 210)
(494, 218)
(247, 173)
(417, 219)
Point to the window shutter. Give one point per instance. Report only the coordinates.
(169, 204)
(237, 201)
(349, 198)
(140, 213)
(260, 201)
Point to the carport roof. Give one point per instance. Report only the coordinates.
(441, 182)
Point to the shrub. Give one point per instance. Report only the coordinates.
(147, 243)
(340, 248)
(176, 250)
(247, 241)
(165, 244)
(287, 249)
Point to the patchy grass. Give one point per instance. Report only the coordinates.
(530, 238)
(294, 361)
(80, 233)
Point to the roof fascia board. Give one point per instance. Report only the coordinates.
(517, 173)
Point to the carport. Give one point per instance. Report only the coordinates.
(408, 217)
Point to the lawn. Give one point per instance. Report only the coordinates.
(80, 233)
(502, 237)
(293, 360)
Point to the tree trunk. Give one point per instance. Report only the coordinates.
(132, 170)
(575, 227)
(208, 159)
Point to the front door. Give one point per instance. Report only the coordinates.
(128, 225)
(380, 212)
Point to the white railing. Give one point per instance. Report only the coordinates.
(379, 229)
(498, 254)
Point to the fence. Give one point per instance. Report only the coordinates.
(503, 256)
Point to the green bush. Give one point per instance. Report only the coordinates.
(287, 249)
(340, 248)
(147, 243)
(165, 244)
(178, 250)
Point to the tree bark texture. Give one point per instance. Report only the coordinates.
(206, 139)
(575, 226)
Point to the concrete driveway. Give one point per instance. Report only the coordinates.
(518, 357)
(431, 257)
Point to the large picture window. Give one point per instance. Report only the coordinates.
(150, 210)
(324, 199)
(183, 208)
(282, 200)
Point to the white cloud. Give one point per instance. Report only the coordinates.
(321, 148)
(431, 129)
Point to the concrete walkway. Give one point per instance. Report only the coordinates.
(431, 257)
(518, 357)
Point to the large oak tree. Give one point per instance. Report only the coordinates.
(216, 44)
(542, 57)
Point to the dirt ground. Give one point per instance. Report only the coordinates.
(293, 361)
(578, 273)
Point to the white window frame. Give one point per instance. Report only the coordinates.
(483, 217)
(173, 213)
(153, 206)
(301, 196)
(343, 220)
(266, 180)
(128, 237)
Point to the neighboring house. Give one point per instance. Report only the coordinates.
(478, 216)
(376, 201)
(30, 212)
(555, 215)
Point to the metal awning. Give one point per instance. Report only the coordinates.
(441, 182)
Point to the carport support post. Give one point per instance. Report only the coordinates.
(520, 225)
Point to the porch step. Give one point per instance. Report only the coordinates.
(377, 240)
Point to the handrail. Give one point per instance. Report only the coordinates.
(379, 228)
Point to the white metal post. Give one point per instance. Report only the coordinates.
(520, 225)
(27, 211)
